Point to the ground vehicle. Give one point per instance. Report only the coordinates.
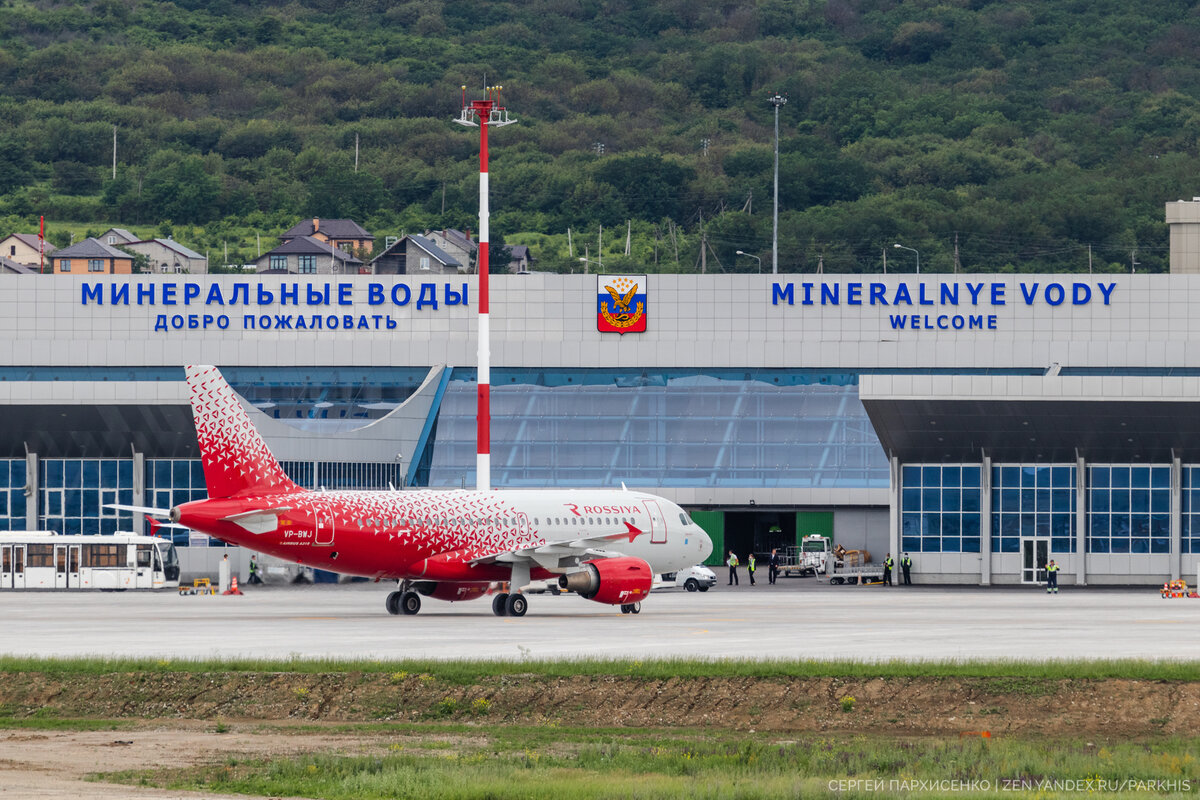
(46, 560)
(816, 556)
(694, 579)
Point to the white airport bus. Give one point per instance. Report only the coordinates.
(47, 560)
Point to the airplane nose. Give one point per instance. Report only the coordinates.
(706, 547)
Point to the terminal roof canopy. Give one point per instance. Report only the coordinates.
(1034, 419)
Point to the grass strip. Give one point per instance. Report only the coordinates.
(470, 671)
(658, 763)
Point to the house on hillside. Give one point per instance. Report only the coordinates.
(168, 255)
(8, 267)
(116, 237)
(415, 255)
(458, 245)
(23, 249)
(519, 258)
(344, 234)
(308, 255)
(91, 256)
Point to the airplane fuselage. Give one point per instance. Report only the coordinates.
(452, 536)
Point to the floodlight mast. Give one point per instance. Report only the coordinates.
(484, 113)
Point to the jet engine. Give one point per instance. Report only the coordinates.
(450, 591)
(615, 581)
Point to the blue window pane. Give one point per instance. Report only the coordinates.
(930, 544)
(952, 476)
(1028, 477)
(4, 468)
(1010, 525)
(931, 525)
(1042, 525)
(1120, 477)
(1119, 545)
(1011, 500)
(911, 543)
(72, 502)
(1100, 501)
(970, 477)
(1062, 477)
(108, 472)
(970, 527)
(970, 500)
(1008, 545)
(951, 526)
(995, 526)
(90, 503)
(1061, 500)
(1140, 501)
(1098, 544)
(197, 474)
(1028, 525)
(951, 544)
(1120, 501)
(17, 509)
(1139, 477)
(72, 473)
(910, 476)
(54, 474)
(125, 472)
(181, 474)
(1160, 525)
(1028, 500)
(91, 473)
(1160, 501)
(1160, 477)
(1043, 477)
(1010, 476)
(970, 544)
(162, 473)
(911, 499)
(911, 525)
(931, 500)
(72, 527)
(1060, 545)
(1043, 499)
(1060, 525)
(1101, 478)
(931, 476)
(17, 474)
(1160, 544)
(1100, 526)
(951, 499)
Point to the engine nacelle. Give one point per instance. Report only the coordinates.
(614, 581)
(449, 591)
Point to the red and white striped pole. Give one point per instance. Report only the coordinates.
(489, 113)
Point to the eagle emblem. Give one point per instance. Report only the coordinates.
(621, 303)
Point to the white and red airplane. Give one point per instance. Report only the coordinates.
(606, 545)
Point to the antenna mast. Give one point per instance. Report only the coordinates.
(484, 114)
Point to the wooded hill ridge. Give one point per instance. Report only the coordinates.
(1030, 133)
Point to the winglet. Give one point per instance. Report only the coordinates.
(236, 459)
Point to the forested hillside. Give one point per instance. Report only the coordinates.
(1027, 132)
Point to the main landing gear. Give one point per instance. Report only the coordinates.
(509, 605)
(631, 608)
(404, 601)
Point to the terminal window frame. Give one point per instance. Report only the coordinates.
(1129, 509)
(1033, 501)
(306, 264)
(940, 508)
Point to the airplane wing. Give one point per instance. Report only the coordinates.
(154, 512)
(556, 555)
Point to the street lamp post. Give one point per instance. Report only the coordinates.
(776, 101)
(751, 255)
(902, 247)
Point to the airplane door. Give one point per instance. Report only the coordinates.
(60, 566)
(658, 522)
(323, 524)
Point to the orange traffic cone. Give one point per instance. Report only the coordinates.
(233, 589)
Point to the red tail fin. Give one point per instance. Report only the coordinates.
(236, 459)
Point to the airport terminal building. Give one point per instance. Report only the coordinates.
(982, 423)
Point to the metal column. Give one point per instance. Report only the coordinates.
(1081, 520)
(32, 495)
(985, 522)
(1176, 517)
(139, 491)
(894, 505)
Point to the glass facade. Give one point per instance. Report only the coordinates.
(590, 427)
(1033, 501)
(1129, 509)
(1191, 510)
(12, 494)
(939, 508)
(75, 490)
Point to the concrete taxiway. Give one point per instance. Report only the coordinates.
(795, 619)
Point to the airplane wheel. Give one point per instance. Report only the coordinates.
(691, 584)
(500, 605)
(410, 603)
(635, 608)
(392, 603)
(517, 605)
(624, 608)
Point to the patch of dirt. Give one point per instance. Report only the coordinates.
(186, 719)
(923, 706)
